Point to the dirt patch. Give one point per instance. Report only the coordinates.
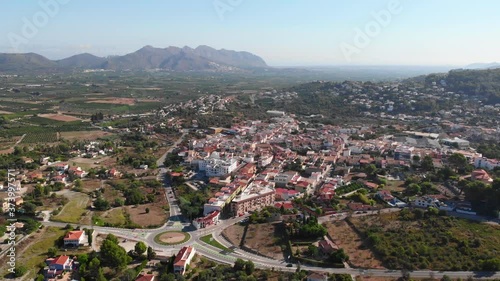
(84, 135)
(234, 234)
(264, 239)
(172, 237)
(127, 101)
(156, 216)
(345, 237)
(60, 117)
(5, 112)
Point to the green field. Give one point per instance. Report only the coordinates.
(211, 241)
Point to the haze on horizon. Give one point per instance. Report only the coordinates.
(293, 32)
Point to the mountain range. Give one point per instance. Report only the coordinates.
(171, 58)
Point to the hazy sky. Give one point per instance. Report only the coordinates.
(282, 32)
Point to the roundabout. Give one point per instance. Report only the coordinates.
(172, 237)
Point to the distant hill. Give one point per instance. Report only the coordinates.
(84, 60)
(483, 65)
(29, 61)
(484, 82)
(170, 58)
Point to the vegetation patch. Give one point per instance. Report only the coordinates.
(211, 241)
(74, 210)
(423, 240)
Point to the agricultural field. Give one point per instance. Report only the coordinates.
(60, 117)
(84, 135)
(407, 241)
(40, 137)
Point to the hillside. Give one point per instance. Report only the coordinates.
(170, 58)
(25, 62)
(84, 60)
(479, 83)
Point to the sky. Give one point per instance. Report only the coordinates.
(282, 32)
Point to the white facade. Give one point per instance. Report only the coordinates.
(485, 163)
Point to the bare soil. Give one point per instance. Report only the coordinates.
(345, 237)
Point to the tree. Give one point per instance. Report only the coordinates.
(427, 163)
(52, 252)
(89, 233)
(78, 184)
(20, 270)
(29, 209)
(457, 161)
(140, 248)
(100, 275)
(370, 169)
(101, 204)
(147, 210)
(129, 275)
(151, 254)
(249, 267)
(239, 264)
(413, 189)
(112, 254)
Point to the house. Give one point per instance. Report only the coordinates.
(429, 201)
(56, 266)
(60, 263)
(317, 276)
(74, 238)
(208, 220)
(61, 167)
(183, 259)
(286, 194)
(145, 277)
(384, 195)
(481, 175)
(113, 173)
(327, 192)
(326, 246)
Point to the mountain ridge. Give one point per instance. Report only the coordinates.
(148, 57)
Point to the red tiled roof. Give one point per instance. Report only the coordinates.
(74, 235)
(61, 260)
(145, 277)
(180, 259)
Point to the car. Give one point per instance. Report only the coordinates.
(289, 265)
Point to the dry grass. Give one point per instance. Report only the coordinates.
(114, 216)
(263, 238)
(84, 135)
(345, 237)
(74, 210)
(234, 233)
(156, 215)
(33, 251)
(59, 117)
(127, 101)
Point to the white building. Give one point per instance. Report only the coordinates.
(485, 163)
(183, 259)
(214, 166)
